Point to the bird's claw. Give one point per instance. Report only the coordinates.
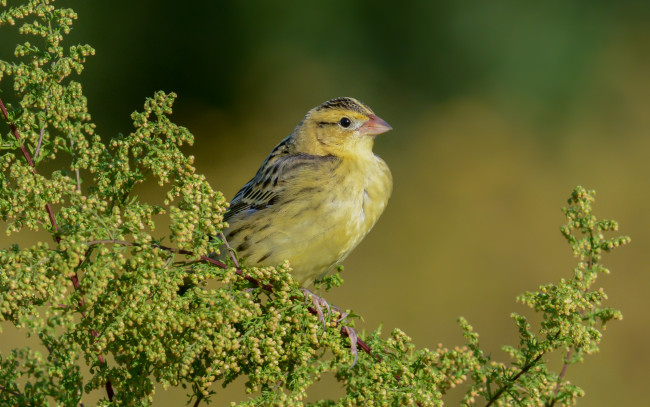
(352, 335)
(318, 303)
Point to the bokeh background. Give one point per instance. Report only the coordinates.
(499, 109)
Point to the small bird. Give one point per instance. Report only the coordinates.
(317, 194)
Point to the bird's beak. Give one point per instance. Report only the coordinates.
(375, 125)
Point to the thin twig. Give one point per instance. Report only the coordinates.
(100, 358)
(560, 377)
(567, 358)
(14, 131)
(50, 212)
(512, 381)
(230, 250)
(4, 389)
(40, 137)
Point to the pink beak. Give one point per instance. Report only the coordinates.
(376, 125)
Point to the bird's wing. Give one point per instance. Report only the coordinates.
(270, 183)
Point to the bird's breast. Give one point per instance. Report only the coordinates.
(360, 198)
(319, 219)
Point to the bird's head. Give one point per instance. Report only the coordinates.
(341, 127)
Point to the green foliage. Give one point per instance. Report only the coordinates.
(108, 296)
(572, 320)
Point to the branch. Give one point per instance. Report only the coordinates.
(50, 212)
(13, 393)
(523, 371)
(345, 331)
(14, 131)
(560, 377)
(567, 358)
(360, 343)
(207, 259)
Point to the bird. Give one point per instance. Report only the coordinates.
(317, 194)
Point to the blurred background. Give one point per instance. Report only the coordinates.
(499, 109)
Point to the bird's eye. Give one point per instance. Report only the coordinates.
(345, 122)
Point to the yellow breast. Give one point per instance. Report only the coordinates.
(318, 223)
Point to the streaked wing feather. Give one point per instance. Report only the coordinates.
(268, 185)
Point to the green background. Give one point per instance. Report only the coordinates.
(499, 109)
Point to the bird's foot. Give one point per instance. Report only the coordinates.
(319, 303)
